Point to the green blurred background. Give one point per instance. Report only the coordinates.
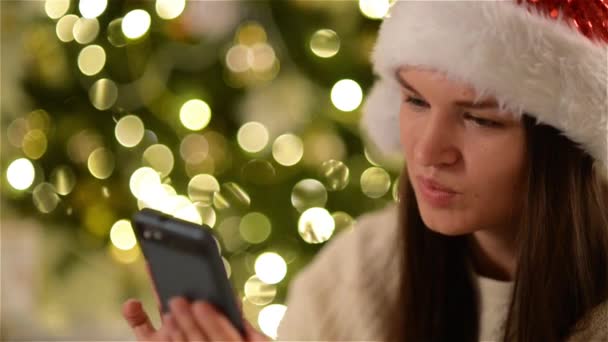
(242, 115)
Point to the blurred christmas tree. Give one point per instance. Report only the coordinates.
(239, 115)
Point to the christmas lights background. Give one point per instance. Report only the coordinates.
(239, 115)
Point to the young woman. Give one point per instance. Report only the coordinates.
(500, 110)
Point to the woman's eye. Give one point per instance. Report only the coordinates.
(415, 102)
(482, 122)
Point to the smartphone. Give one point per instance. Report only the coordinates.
(183, 260)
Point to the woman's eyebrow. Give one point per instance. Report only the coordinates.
(488, 104)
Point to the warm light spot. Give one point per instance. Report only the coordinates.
(270, 267)
(270, 317)
(122, 235)
(129, 130)
(374, 9)
(34, 144)
(85, 30)
(91, 60)
(258, 292)
(325, 43)
(170, 9)
(20, 174)
(101, 163)
(143, 181)
(92, 8)
(288, 149)
(346, 95)
(103, 94)
(65, 28)
(160, 158)
(252, 137)
(195, 114)
(45, 197)
(136, 23)
(255, 227)
(375, 182)
(55, 9)
(316, 225)
(308, 193)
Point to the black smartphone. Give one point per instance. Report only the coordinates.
(183, 260)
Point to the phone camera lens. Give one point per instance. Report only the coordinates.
(147, 234)
(158, 235)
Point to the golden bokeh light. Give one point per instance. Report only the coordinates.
(288, 149)
(103, 94)
(335, 175)
(160, 158)
(34, 144)
(322, 145)
(375, 182)
(270, 317)
(136, 23)
(258, 292)
(45, 197)
(238, 58)
(308, 193)
(346, 95)
(55, 9)
(252, 137)
(255, 227)
(20, 173)
(92, 8)
(65, 28)
(114, 33)
(316, 225)
(374, 9)
(186, 210)
(122, 235)
(85, 30)
(228, 230)
(250, 33)
(202, 188)
(261, 57)
(122, 256)
(231, 195)
(101, 163)
(194, 148)
(63, 179)
(395, 191)
(170, 9)
(91, 60)
(343, 221)
(270, 267)
(39, 119)
(325, 43)
(195, 114)
(15, 132)
(145, 184)
(129, 130)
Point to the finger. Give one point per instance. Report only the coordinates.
(138, 320)
(215, 325)
(169, 331)
(180, 310)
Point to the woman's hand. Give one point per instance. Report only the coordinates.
(197, 321)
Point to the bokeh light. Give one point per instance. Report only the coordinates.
(343, 221)
(374, 9)
(270, 267)
(346, 95)
(103, 94)
(170, 9)
(122, 235)
(63, 179)
(252, 137)
(237, 58)
(101, 163)
(375, 182)
(122, 256)
(202, 188)
(114, 33)
(335, 175)
(231, 195)
(270, 317)
(255, 227)
(91, 59)
(129, 130)
(259, 292)
(160, 158)
(20, 174)
(325, 43)
(194, 148)
(261, 57)
(34, 144)
(144, 183)
(65, 28)
(195, 114)
(55, 9)
(288, 149)
(85, 30)
(45, 197)
(316, 225)
(250, 33)
(308, 193)
(136, 23)
(92, 8)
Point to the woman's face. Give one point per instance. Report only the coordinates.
(477, 152)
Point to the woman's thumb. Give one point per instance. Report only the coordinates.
(137, 319)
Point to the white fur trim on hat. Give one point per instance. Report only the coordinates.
(529, 62)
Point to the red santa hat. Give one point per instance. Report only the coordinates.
(547, 58)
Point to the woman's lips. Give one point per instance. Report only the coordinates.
(434, 195)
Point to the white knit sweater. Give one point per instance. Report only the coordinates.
(344, 293)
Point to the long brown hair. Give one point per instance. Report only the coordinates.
(562, 257)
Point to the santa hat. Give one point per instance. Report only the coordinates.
(548, 58)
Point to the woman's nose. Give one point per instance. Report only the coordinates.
(436, 143)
